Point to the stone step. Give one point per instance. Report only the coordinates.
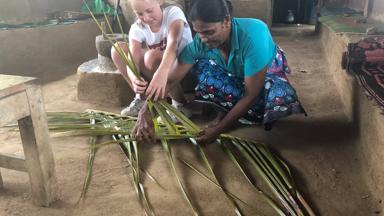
(102, 86)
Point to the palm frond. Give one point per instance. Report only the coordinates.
(274, 172)
(268, 167)
(209, 167)
(232, 157)
(91, 159)
(189, 165)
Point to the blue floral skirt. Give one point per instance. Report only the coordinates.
(277, 99)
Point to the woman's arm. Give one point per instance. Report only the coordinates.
(156, 88)
(179, 71)
(253, 86)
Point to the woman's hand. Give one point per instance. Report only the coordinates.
(209, 135)
(143, 130)
(156, 88)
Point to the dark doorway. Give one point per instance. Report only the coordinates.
(303, 11)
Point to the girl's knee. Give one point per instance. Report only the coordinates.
(119, 45)
(152, 59)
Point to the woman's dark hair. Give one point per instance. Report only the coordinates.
(210, 10)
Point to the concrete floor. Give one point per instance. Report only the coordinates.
(321, 150)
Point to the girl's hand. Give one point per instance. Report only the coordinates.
(156, 88)
(139, 86)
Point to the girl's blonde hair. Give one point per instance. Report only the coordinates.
(161, 2)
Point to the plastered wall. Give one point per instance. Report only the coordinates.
(357, 4)
(261, 9)
(49, 53)
(21, 11)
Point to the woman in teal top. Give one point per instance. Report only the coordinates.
(240, 69)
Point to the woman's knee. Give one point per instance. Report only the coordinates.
(152, 59)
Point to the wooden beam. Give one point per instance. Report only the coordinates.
(13, 162)
(10, 84)
(12, 107)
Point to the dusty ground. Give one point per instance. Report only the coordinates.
(319, 148)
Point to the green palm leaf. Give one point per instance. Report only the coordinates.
(168, 153)
(271, 169)
(91, 159)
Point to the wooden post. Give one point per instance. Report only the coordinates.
(269, 17)
(1, 180)
(368, 8)
(38, 153)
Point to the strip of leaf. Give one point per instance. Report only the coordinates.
(273, 176)
(91, 158)
(135, 172)
(188, 124)
(237, 164)
(209, 167)
(272, 159)
(118, 139)
(305, 204)
(270, 156)
(264, 177)
(168, 153)
(216, 184)
(167, 120)
(126, 41)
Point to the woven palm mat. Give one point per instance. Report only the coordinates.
(371, 77)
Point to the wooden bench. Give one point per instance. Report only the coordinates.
(21, 100)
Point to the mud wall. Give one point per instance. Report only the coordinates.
(49, 53)
(261, 9)
(362, 113)
(357, 4)
(21, 11)
(46, 52)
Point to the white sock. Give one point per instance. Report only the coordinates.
(176, 104)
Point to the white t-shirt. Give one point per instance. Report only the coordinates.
(142, 32)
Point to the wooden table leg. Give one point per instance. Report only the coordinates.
(37, 150)
(1, 180)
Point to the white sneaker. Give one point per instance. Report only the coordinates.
(184, 110)
(133, 108)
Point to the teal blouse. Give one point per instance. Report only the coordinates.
(252, 48)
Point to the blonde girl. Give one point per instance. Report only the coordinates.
(163, 32)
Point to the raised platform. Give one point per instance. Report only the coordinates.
(362, 112)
